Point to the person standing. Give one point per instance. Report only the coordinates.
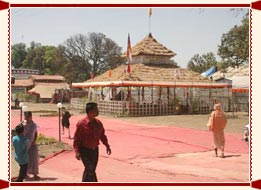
(21, 145)
(217, 125)
(30, 132)
(89, 131)
(66, 121)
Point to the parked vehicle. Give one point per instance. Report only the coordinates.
(246, 132)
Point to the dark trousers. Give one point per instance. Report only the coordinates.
(89, 159)
(22, 172)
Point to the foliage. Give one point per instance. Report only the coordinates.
(18, 52)
(41, 139)
(24, 97)
(75, 59)
(47, 59)
(202, 63)
(234, 47)
(34, 57)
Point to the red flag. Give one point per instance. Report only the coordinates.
(129, 58)
(92, 75)
(109, 73)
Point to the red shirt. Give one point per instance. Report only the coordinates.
(88, 133)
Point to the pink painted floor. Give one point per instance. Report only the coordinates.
(147, 153)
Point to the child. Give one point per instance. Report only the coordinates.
(66, 121)
(21, 145)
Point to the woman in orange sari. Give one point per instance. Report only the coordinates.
(217, 123)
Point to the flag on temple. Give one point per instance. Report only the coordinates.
(150, 11)
(110, 73)
(129, 58)
(92, 75)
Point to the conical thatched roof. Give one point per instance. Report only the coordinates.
(150, 46)
(159, 71)
(143, 72)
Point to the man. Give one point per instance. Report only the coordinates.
(89, 131)
(30, 131)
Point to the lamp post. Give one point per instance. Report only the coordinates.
(59, 105)
(21, 108)
(25, 108)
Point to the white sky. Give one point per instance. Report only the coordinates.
(186, 31)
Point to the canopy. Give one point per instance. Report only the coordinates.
(150, 84)
(209, 72)
(46, 90)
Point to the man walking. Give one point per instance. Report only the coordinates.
(89, 131)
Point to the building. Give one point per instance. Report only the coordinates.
(155, 86)
(38, 88)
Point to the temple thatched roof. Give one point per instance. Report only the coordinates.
(150, 46)
(242, 70)
(143, 72)
(146, 73)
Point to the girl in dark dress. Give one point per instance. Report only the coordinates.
(66, 122)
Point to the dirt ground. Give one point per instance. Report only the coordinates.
(236, 122)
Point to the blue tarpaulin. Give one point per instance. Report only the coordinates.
(209, 72)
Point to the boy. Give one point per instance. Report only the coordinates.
(21, 145)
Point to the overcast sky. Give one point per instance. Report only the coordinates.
(185, 31)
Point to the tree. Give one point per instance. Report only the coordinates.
(90, 53)
(234, 48)
(75, 50)
(202, 63)
(54, 60)
(18, 54)
(35, 57)
(48, 60)
(103, 53)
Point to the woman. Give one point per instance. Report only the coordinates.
(30, 131)
(217, 124)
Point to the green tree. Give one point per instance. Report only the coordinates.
(48, 60)
(18, 54)
(202, 63)
(54, 61)
(234, 48)
(35, 58)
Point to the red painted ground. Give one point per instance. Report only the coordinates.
(147, 153)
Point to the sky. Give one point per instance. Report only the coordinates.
(185, 31)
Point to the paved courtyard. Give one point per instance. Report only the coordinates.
(147, 153)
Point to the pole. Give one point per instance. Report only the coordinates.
(149, 24)
(59, 124)
(150, 13)
(21, 114)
